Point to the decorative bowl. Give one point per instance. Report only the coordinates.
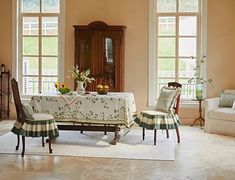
(103, 90)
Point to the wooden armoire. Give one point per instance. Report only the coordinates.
(100, 48)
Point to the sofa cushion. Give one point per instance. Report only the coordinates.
(226, 100)
(222, 113)
(229, 91)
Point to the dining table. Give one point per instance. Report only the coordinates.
(88, 112)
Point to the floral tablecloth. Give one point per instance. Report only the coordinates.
(113, 108)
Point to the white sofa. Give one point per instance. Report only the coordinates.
(219, 120)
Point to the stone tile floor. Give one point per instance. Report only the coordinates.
(199, 156)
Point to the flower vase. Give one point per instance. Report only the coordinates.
(199, 91)
(80, 87)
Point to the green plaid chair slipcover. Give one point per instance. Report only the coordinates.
(30, 124)
(154, 120)
(166, 117)
(42, 125)
(158, 120)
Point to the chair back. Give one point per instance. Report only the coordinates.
(18, 104)
(177, 85)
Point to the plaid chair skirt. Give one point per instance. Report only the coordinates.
(158, 120)
(36, 128)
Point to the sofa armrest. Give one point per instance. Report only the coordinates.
(211, 103)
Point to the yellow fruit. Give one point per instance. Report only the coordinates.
(100, 86)
(106, 87)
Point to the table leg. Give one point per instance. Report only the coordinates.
(201, 121)
(116, 136)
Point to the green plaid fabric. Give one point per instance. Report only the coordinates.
(158, 120)
(36, 128)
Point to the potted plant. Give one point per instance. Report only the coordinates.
(198, 77)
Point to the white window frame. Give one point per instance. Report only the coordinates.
(152, 54)
(17, 45)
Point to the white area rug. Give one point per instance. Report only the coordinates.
(96, 144)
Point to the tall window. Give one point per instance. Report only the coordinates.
(38, 45)
(178, 44)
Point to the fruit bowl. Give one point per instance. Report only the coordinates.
(102, 89)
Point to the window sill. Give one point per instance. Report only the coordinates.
(189, 104)
(183, 104)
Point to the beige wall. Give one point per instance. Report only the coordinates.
(221, 45)
(134, 14)
(131, 13)
(5, 32)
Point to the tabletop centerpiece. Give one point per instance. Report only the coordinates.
(61, 88)
(81, 78)
(198, 78)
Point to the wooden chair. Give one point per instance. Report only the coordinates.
(176, 107)
(31, 125)
(154, 119)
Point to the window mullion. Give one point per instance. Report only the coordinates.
(177, 48)
(40, 55)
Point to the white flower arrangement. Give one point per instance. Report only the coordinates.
(81, 76)
(198, 77)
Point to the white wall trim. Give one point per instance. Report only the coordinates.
(14, 39)
(16, 48)
(204, 38)
(61, 60)
(151, 55)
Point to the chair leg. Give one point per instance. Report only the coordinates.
(105, 132)
(23, 149)
(18, 142)
(143, 133)
(82, 130)
(178, 134)
(43, 142)
(50, 150)
(167, 133)
(155, 136)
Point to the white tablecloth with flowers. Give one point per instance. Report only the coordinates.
(113, 108)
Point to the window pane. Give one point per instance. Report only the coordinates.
(187, 47)
(186, 67)
(48, 84)
(166, 5)
(30, 66)
(166, 67)
(30, 85)
(30, 45)
(166, 47)
(187, 26)
(50, 26)
(166, 26)
(188, 5)
(49, 66)
(188, 90)
(30, 26)
(50, 46)
(30, 6)
(50, 6)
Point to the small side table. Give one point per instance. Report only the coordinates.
(200, 119)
